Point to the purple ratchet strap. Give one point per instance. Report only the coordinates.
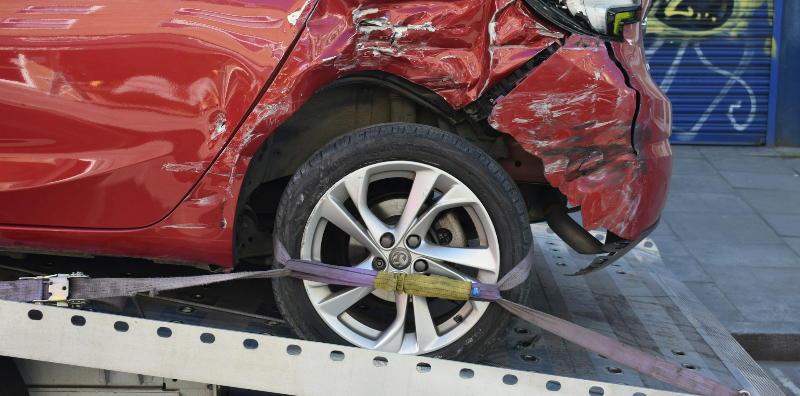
(642, 362)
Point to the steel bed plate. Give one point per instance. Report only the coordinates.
(637, 301)
(268, 367)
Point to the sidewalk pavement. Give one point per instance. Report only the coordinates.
(731, 233)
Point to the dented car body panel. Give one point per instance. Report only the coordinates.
(576, 113)
(599, 128)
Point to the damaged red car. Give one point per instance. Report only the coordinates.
(409, 136)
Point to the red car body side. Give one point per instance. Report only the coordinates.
(179, 195)
(112, 113)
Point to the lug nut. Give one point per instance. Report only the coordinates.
(413, 241)
(378, 263)
(420, 265)
(387, 240)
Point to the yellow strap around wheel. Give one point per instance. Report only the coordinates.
(421, 285)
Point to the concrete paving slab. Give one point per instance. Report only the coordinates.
(748, 163)
(743, 255)
(772, 202)
(715, 301)
(738, 150)
(730, 237)
(793, 243)
(794, 163)
(768, 181)
(700, 184)
(747, 281)
(691, 202)
(669, 245)
(761, 307)
(686, 269)
(681, 151)
(785, 374)
(662, 230)
(721, 228)
(788, 152)
(692, 166)
(784, 224)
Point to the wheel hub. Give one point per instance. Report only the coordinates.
(400, 258)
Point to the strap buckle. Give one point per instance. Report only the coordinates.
(58, 290)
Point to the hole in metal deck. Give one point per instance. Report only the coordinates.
(294, 350)
(250, 344)
(207, 338)
(78, 320)
(121, 326)
(164, 332)
(337, 356)
(553, 385)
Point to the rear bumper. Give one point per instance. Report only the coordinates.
(601, 126)
(652, 128)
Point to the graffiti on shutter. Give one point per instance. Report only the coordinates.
(712, 58)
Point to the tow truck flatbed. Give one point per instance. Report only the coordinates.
(637, 301)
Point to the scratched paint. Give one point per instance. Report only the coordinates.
(194, 167)
(577, 115)
(60, 9)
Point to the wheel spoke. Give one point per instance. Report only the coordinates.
(357, 184)
(334, 211)
(480, 257)
(448, 272)
(366, 264)
(423, 323)
(391, 340)
(456, 196)
(338, 302)
(424, 180)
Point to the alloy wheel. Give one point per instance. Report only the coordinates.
(402, 228)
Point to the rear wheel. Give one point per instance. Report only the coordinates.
(401, 198)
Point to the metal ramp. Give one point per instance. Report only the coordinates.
(636, 301)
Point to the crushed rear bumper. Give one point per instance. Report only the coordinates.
(601, 126)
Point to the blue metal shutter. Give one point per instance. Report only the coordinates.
(712, 58)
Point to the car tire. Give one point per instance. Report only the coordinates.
(417, 145)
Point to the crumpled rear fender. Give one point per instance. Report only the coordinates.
(577, 112)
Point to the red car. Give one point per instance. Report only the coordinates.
(416, 136)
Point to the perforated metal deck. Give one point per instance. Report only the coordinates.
(636, 301)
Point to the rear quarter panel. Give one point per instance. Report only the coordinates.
(113, 110)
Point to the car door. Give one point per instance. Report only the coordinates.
(110, 111)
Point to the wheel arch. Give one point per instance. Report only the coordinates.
(353, 101)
